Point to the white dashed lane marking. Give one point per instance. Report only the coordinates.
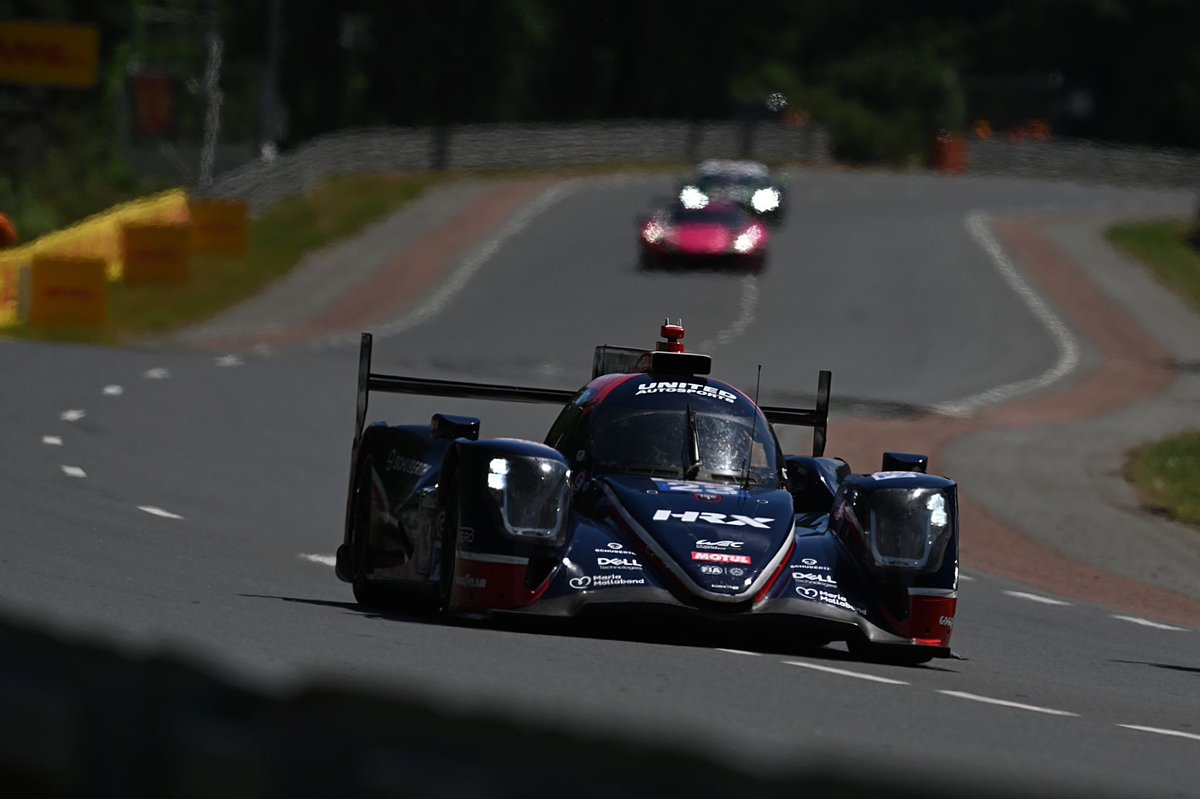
(737, 651)
(52, 441)
(987, 700)
(1159, 731)
(73, 471)
(153, 511)
(1158, 625)
(845, 673)
(1045, 600)
(73, 415)
(328, 560)
(157, 373)
(113, 391)
(229, 360)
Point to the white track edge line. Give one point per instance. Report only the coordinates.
(1068, 348)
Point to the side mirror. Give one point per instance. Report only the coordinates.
(904, 462)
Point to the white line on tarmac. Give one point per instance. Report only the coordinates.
(1068, 349)
(748, 307)
(1045, 600)
(113, 391)
(987, 700)
(328, 560)
(74, 471)
(845, 673)
(73, 415)
(1159, 731)
(471, 264)
(229, 360)
(52, 441)
(157, 373)
(737, 651)
(1158, 625)
(153, 511)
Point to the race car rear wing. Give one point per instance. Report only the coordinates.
(817, 418)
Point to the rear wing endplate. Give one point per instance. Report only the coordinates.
(817, 418)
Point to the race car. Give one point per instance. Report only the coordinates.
(658, 491)
(714, 234)
(748, 184)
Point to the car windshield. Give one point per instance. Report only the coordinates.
(711, 182)
(729, 217)
(689, 441)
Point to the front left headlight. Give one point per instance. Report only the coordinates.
(531, 494)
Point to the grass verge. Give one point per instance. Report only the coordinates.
(1162, 247)
(1166, 472)
(1167, 475)
(279, 238)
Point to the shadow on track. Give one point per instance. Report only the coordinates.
(659, 631)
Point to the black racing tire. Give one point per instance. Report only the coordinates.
(358, 547)
(449, 549)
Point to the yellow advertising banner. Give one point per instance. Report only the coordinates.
(68, 292)
(155, 253)
(220, 227)
(49, 54)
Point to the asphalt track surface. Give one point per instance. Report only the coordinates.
(172, 499)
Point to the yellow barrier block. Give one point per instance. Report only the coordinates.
(10, 292)
(220, 227)
(68, 292)
(155, 253)
(49, 53)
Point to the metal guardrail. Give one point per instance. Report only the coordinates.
(1085, 161)
(469, 147)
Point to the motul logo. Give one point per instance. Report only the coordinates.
(731, 519)
(721, 557)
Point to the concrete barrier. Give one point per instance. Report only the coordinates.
(68, 292)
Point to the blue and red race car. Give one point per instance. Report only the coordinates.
(658, 490)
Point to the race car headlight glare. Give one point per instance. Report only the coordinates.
(692, 197)
(531, 495)
(746, 241)
(653, 232)
(765, 200)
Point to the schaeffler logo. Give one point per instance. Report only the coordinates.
(661, 387)
(731, 519)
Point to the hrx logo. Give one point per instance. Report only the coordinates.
(731, 519)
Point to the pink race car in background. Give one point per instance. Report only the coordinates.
(709, 233)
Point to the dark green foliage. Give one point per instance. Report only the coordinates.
(884, 77)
